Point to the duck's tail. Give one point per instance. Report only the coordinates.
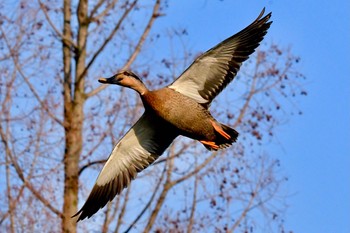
(225, 137)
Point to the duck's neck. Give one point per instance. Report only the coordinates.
(142, 93)
(141, 89)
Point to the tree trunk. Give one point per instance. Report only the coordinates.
(74, 99)
(73, 140)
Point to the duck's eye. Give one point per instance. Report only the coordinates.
(125, 73)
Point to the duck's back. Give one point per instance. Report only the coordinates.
(191, 118)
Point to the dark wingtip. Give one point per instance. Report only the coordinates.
(265, 18)
(261, 13)
(262, 21)
(78, 213)
(97, 199)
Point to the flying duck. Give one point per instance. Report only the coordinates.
(181, 108)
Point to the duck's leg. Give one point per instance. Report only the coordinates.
(220, 130)
(210, 144)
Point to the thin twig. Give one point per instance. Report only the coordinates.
(109, 38)
(166, 187)
(196, 170)
(24, 180)
(25, 78)
(103, 13)
(155, 14)
(123, 210)
(67, 41)
(253, 196)
(193, 207)
(148, 203)
(90, 164)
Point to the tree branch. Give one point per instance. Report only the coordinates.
(148, 203)
(175, 155)
(122, 211)
(104, 12)
(155, 14)
(66, 40)
(248, 207)
(9, 195)
(166, 187)
(109, 38)
(32, 89)
(90, 164)
(193, 207)
(24, 180)
(196, 170)
(251, 93)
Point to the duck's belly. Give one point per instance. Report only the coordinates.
(184, 113)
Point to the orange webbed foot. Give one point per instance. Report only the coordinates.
(220, 130)
(210, 144)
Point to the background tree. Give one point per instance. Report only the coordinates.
(58, 125)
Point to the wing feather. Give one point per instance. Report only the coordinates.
(210, 73)
(139, 148)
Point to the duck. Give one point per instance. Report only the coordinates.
(181, 108)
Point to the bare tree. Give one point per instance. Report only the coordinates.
(57, 124)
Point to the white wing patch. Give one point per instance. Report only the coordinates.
(210, 73)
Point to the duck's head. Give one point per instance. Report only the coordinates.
(126, 79)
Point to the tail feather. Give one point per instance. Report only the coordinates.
(222, 141)
(232, 132)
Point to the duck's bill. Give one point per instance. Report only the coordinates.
(103, 80)
(110, 80)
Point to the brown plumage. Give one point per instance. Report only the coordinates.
(178, 109)
(189, 118)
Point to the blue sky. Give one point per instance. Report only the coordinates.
(314, 147)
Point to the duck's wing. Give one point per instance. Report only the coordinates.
(139, 148)
(210, 73)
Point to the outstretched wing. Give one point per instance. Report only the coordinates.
(210, 73)
(139, 148)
